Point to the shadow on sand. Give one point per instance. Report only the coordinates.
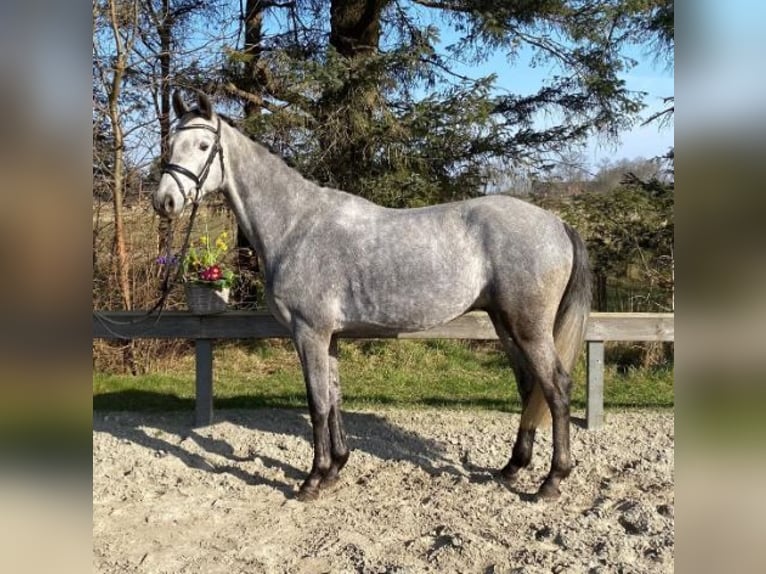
(367, 432)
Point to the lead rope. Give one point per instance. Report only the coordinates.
(165, 287)
(198, 180)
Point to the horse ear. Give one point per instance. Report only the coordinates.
(205, 108)
(179, 106)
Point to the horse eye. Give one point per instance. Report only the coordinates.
(204, 145)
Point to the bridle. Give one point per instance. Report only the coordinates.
(173, 169)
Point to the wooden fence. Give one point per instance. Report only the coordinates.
(262, 325)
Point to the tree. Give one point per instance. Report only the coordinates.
(581, 39)
(611, 174)
(631, 224)
(154, 67)
(119, 17)
(379, 111)
(247, 81)
(657, 22)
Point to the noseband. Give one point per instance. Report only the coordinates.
(173, 169)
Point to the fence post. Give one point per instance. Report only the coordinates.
(594, 410)
(203, 410)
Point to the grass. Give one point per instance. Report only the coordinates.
(266, 373)
(416, 374)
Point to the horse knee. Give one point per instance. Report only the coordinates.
(559, 406)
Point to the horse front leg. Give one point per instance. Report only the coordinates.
(312, 349)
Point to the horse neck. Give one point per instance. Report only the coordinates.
(267, 196)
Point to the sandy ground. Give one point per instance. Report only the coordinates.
(417, 495)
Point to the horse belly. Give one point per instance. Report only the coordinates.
(412, 294)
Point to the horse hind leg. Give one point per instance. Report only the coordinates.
(533, 411)
(558, 397)
(554, 385)
(533, 405)
(339, 451)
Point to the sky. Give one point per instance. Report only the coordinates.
(519, 77)
(648, 76)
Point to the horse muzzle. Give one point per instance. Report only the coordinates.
(168, 203)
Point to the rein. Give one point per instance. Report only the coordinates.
(165, 288)
(172, 169)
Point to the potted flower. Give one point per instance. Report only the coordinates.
(207, 279)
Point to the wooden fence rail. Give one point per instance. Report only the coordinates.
(262, 325)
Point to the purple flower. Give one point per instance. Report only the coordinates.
(165, 260)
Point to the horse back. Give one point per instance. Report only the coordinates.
(355, 263)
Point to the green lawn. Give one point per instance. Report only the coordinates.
(400, 373)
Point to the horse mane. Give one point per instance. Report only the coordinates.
(229, 120)
(237, 125)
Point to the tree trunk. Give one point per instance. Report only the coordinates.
(251, 80)
(672, 280)
(164, 31)
(601, 297)
(355, 26)
(246, 288)
(118, 174)
(355, 35)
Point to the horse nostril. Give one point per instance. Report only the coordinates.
(169, 204)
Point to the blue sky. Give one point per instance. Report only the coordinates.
(648, 76)
(642, 141)
(519, 77)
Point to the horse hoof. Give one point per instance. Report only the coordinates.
(308, 494)
(508, 473)
(328, 482)
(548, 492)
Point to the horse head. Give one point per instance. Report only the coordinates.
(192, 170)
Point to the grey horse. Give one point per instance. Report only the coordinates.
(335, 262)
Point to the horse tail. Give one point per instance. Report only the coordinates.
(572, 315)
(569, 326)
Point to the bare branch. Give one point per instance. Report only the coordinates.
(663, 116)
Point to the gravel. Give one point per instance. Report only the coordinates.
(418, 495)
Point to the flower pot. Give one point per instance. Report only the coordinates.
(206, 300)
